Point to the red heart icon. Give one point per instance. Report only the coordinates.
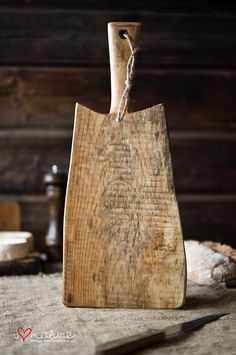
(24, 333)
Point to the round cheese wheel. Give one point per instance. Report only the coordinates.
(13, 248)
(25, 235)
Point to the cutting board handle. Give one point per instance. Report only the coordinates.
(119, 52)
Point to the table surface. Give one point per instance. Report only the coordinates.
(35, 302)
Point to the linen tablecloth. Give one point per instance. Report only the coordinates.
(35, 302)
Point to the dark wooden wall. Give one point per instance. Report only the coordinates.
(54, 53)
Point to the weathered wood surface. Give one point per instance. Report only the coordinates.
(45, 97)
(201, 215)
(119, 54)
(202, 162)
(29, 265)
(195, 98)
(123, 243)
(121, 198)
(57, 36)
(202, 6)
(27, 155)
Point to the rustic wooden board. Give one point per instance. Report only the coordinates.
(24, 161)
(214, 215)
(30, 265)
(45, 97)
(196, 98)
(122, 236)
(65, 37)
(10, 216)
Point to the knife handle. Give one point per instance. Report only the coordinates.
(119, 52)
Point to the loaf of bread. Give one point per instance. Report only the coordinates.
(210, 263)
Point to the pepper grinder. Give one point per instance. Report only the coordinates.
(55, 183)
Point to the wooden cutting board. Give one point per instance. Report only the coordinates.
(123, 244)
(10, 216)
(30, 265)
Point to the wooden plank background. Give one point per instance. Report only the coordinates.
(53, 54)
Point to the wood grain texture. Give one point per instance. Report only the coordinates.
(26, 155)
(122, 236)
(30, 265)
(45, 97)
(187, 61)
(214, 215)
(62, 36)
(119, 52)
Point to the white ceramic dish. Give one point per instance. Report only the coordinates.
(25, 235)
(13, 248)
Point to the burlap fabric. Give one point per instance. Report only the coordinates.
(35, 301)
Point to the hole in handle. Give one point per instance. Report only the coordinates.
(122, 33)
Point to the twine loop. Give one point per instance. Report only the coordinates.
(129, 79)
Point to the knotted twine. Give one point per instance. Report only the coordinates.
(129, 78)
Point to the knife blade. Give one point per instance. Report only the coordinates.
(151, 337)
